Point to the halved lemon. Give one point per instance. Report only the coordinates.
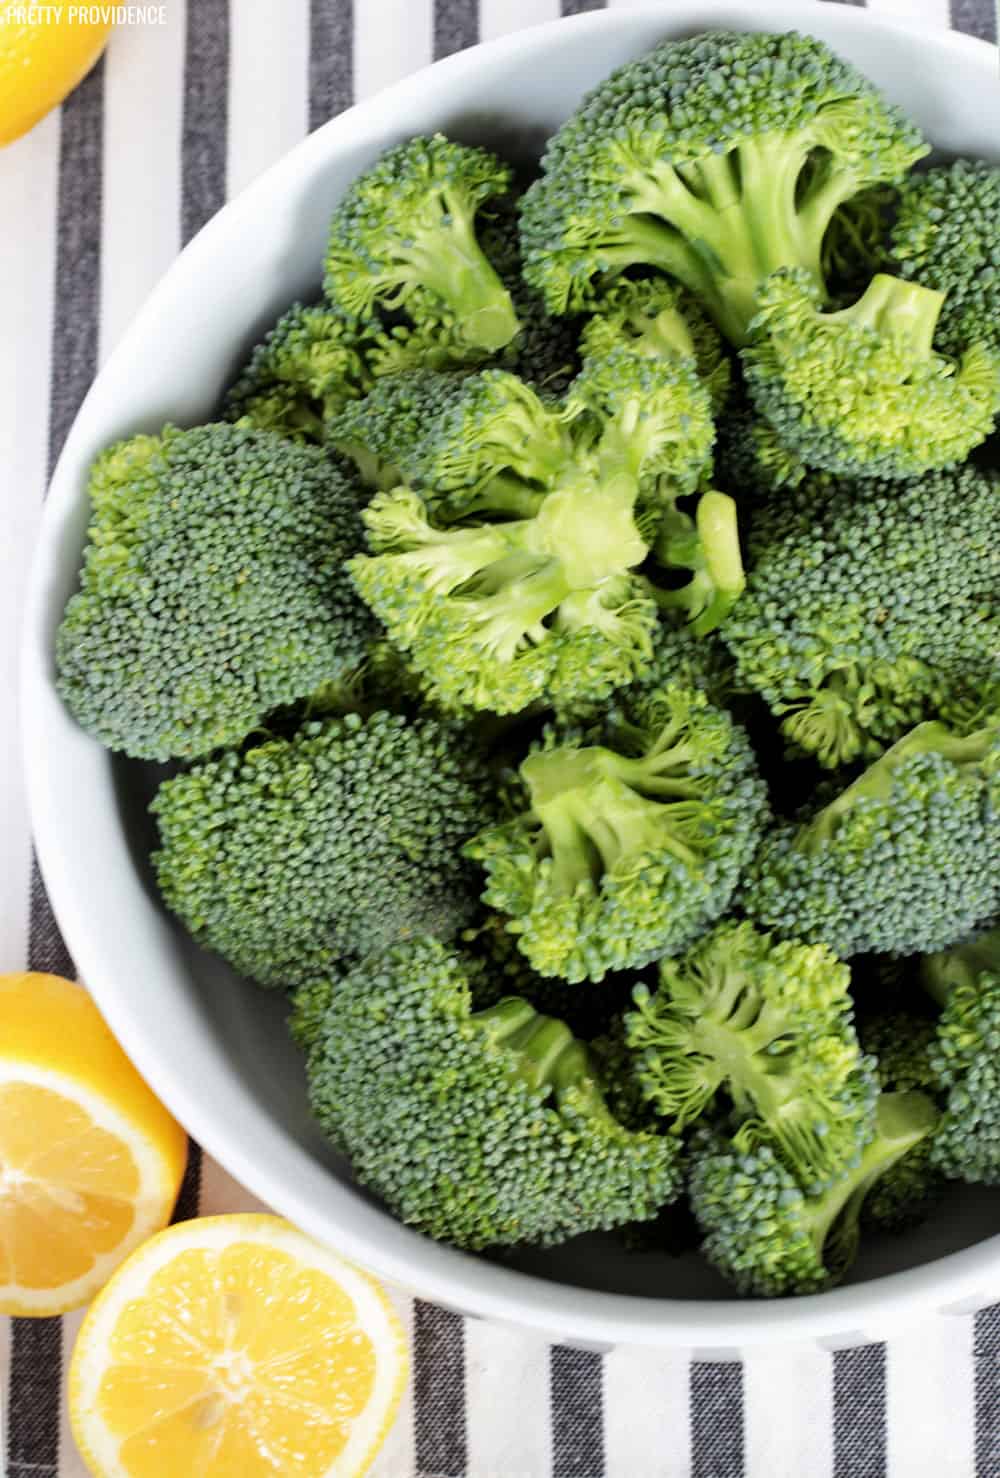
(236, 1347)
(45, 50)
(90, 1160)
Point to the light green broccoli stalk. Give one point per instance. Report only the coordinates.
(485, 1128)
(862, 392)
(408, 226)
(707, 546)
(903, 861)
(699, 159)
(762, 1229)
(769, 1025)
(628, 845)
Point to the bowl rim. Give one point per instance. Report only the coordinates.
(470, 1285)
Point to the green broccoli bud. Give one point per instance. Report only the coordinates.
(309, 1005)
(478, 1128)
(408, 226)
(770, 1025)
(861, 392)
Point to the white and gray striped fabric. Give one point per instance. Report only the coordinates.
(95, 204)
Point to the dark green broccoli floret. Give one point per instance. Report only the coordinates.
(699, 159)
(631, 839)
(296, 853)
(751, 461)
(770, 1025)
(479, 1128)
(406, 229)
(212, 591)
(861, 391)
(945, 236)
(965, 1058)
(657, 317)
(309, 1004)
(902, 1044)
(308, 366)
(765, 1233)
(903, 861)
(870, 607)
(706, 546)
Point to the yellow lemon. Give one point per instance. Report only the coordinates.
(236, 1347)
(44, 53)
(90, 1161)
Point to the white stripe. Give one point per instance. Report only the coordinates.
(788, 1404)
(499, 17)
(395, 39)
(142, 122)
(921, 12)
(930, 1400)
(268, 86)
(28, 189)
(71, 1464)
(506, 1401)
(646, 1428)
(398, 1458)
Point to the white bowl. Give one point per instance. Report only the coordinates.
(214, 1048)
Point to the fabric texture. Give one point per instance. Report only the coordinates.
(96, 202)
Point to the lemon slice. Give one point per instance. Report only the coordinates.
(232, 1347)
(90, 1160)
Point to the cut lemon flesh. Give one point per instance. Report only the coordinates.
(232, 1347)
(90, 1160)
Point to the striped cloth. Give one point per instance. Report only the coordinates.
(95, 204)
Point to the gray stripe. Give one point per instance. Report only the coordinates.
(986, 1357)
(206, 114)
(975, 18)
(576, 1388)
(715, 1402)
(859, 1412)
(580, 7)
(46, 947)
(439, 1392)
(189, 1195)
(456, 26)
(33, 1405)
(331, 59)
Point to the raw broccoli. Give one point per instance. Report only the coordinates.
(706, 546)
(309, 365)
(965, 1058)
(857, 240)
(479, 1128)
(630, 840)
(751, 461)
(699, 159)
(902, 1044)
(212, 591)
(905, 860)
(406, 229)
(294, 854)
(769, 1025)
(870, 606)
(309, 1004)
(762, 1229)
(945, 236)
(657, 317)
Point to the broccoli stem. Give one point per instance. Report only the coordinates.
(895, 309)
(710, 548)
(546, 1054)
(452, 264)
(592, 530)
(962, 965)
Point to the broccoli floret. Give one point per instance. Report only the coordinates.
(902, 1044)
(630, 840)
(706, 545)
(407, 227)
(861, 391)
(857, 240)
(903, 861)
(309, 1004)
(870, 607)
(299, 852)
(212, 589)
(750, 458)
(770, 1025)
(479, 1128)
(699, 160)
(308, 366)
(945, 237)
(656, 317)
(965, 1058)
(765, 1233)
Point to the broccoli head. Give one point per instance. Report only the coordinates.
(406, 229)
(902, 1045)
(965, 1057)
(213, 589)
(769, 1025)
(765, 1232)
(309, 365)
(870, 606)
(299, 852)
(861, 391)
(631, 839)
(905, 860)
(481, 1128)
(700, 160)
